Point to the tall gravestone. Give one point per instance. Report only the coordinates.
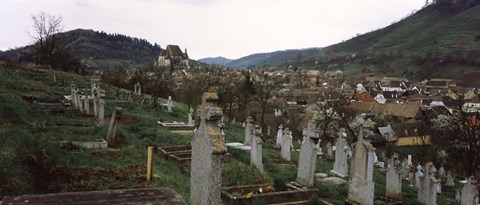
(469, 193)
(427, 190)
(169, 104)
(286, 145)
(361, 186)
(190, 118)
(256, 151)
(208, 148)
(137, 89)
(394, 179)
(101, 107)
(279, 136)
(308, 156)
(249, 130)
(73, 88)
(112, 129)
(340, 167)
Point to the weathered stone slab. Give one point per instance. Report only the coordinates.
(158, 196)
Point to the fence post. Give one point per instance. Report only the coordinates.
(149, 164)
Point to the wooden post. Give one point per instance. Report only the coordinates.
(149, 164)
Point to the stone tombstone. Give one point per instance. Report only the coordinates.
(394, 179)
(112, 129)
(308, 156)
(286, 144)
(101, 108)
(169, 104)
(361, 186)
(329, 150)
(427, 192)
(450, 179)
(249, 131)
(190, 118)
(137, 89)
(441, 171)
(340, 167)
(469, 194)
(409, 160)
(73, 88)
(86, 105)
(256, 152)
(418, 174)
(208, 148)
(279, 136)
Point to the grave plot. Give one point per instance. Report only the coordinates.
(267, 194)
(178, 127)
(182, 154)
(178, 153)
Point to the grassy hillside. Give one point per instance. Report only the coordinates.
(32, 163)
(99, 50)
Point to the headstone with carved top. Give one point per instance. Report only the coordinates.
(208, 148)
(308, 156)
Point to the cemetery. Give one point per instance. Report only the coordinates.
(228, 163)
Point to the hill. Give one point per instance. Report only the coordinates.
(440, 40)
(215, 60)
(100, 50)
(276, 58)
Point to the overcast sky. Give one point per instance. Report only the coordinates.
(209, 28)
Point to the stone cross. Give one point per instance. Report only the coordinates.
(208, 148)
(409, 160)
(427, 192)
(286, 145)
(169, 104)
(112, 129)
(279, 136)
(190, 118)
(361, 186)
(394, 180)
(340, 167)
(308, 156)
(418, 174)
(469, 193)
(249, 131)
(256, 152)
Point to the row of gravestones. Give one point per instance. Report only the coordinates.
(361, 187)
(208, 148)
(83, 102)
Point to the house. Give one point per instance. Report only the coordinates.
(472, 105)
(410, 134)
(173, 56)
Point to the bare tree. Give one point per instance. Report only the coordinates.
(48, 49)
(264, 87)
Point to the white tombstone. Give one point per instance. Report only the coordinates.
(308, 156)
(340, 167)
(441, 171)
(469, 193)
(256, 152)
(249, 130)
(394, 180)
(409, 160)
(279, 136)
(361, 186)
(169, 104)
(427, 191)
(418, 174)
(450, 179)
(208, 150)
(190, 117)
(101, 112)
(286, 145)
(137, 89)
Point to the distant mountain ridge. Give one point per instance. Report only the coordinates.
(276, 58)
(215, 60)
